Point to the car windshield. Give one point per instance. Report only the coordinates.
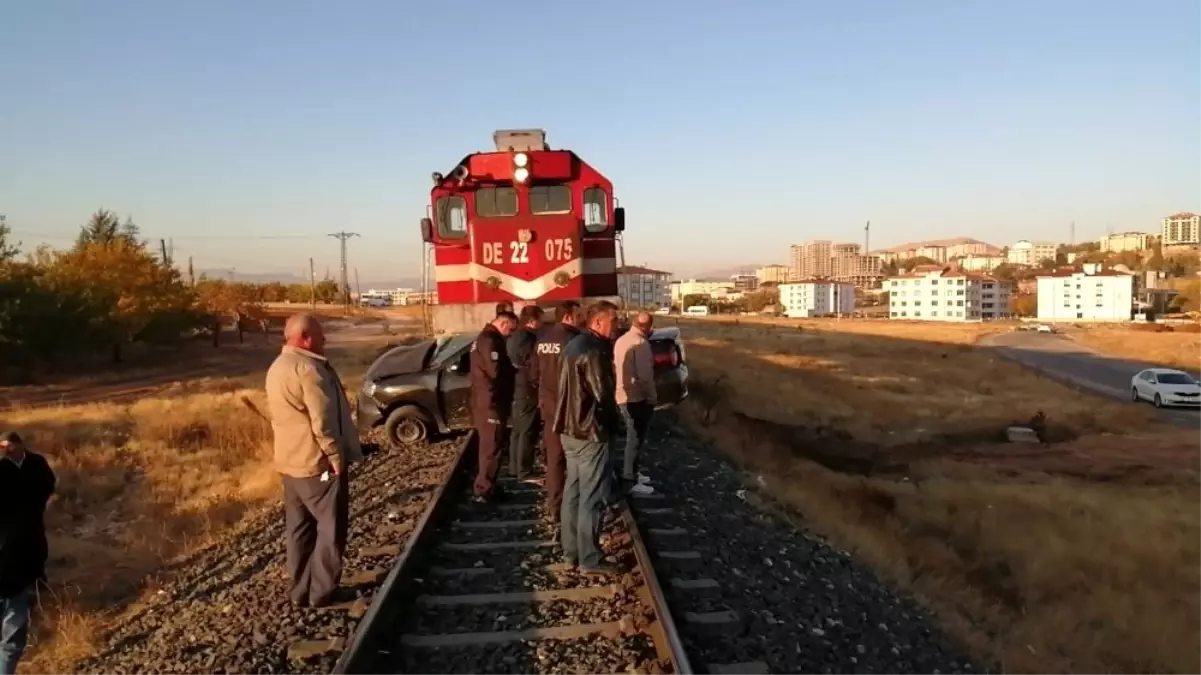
(448, 346)
(1175, 378)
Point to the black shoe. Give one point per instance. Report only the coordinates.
(603, 569)
(480, 499)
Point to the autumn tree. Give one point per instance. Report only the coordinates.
(136, 292)
(221, 301)
(1024, 304)
(105, 228)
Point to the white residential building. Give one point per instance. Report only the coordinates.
(1030, 253)
(818, 297)
(1090, 295)
(1127, 241)
(713, 289)
(1182, 229)
(947, 295)
(642, 287)
(980, 263)
(934, 252)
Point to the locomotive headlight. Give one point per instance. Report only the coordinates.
(525, 236)
(520, 174)
(520, 159)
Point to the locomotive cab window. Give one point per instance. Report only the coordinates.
(596, 209)
(550, 199)
(452, 217)
(496, 202)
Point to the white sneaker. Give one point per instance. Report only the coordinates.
(643, 479)
(642, 489)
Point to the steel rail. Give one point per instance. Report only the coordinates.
(358, 647)
(679, 657)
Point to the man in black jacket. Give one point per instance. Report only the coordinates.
(26, 484)
(525, 393)
(586, 419)
(491, 398)
(548, 357)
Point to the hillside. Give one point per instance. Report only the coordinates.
(954, 241)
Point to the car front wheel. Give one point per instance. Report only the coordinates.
(407, 426)
(1158, 401)
(1134, 395)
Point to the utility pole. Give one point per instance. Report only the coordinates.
(867, 235)
(191, 273)
(342, 237)
(166, 257)
(357, 289)
(312, 285)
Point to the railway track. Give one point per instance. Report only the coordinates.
(483, 588)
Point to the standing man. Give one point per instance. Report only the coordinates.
(315, 442)
(548, 359)
(26, 484)
(586, 420)
(525, 394)
(636, 394)
(491, 398)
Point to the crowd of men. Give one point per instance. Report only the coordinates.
(570, 382)
(578, 381)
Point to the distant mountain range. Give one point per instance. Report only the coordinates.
(723, 273)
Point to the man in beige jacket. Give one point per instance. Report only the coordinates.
(636, 394)
(315, 441)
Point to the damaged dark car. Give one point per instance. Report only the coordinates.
(416, 392)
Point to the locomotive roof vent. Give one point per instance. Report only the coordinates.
(519, 140)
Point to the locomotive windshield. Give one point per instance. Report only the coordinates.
(550, 199)
(496, 202)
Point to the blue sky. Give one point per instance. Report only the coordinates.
(730, 130)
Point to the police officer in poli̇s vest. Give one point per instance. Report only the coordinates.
(525, 394)
(492, 381)
(545, 370)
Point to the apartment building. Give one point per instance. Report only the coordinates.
(980, 263)
(811, 259)
(1181, 229)
(772, 274)
(643, 287)
(1030, 253)
(744, 283)
(936, 253)
(401, 296)
(1120, 242)
(864, 271)
(946, 294)
(966, 248)
(714, 289)
(1093, 294)
(817, 297)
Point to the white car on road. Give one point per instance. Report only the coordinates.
(1166, 387)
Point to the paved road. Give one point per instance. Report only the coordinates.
(1062, 358)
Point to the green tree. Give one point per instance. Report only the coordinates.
(105, 228)
(8, 250)
(1156, 261)
(911, 263)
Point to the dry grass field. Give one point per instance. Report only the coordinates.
(144, 481)
(1078, 556)
(1178, 348)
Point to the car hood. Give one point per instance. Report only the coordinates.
(1181, 388)
(402, 360)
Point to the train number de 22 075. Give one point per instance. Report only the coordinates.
(556, 250)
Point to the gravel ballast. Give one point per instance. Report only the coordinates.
(802, 605)
(226, 609)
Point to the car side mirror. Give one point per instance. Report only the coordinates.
(427, 230)
(619, 219)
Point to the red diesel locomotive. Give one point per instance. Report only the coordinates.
(523, 223)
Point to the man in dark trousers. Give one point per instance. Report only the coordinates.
(315, 440)
(492, 380)
(525, 394)
(586, 420)
(548, 357)
(26, 484)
